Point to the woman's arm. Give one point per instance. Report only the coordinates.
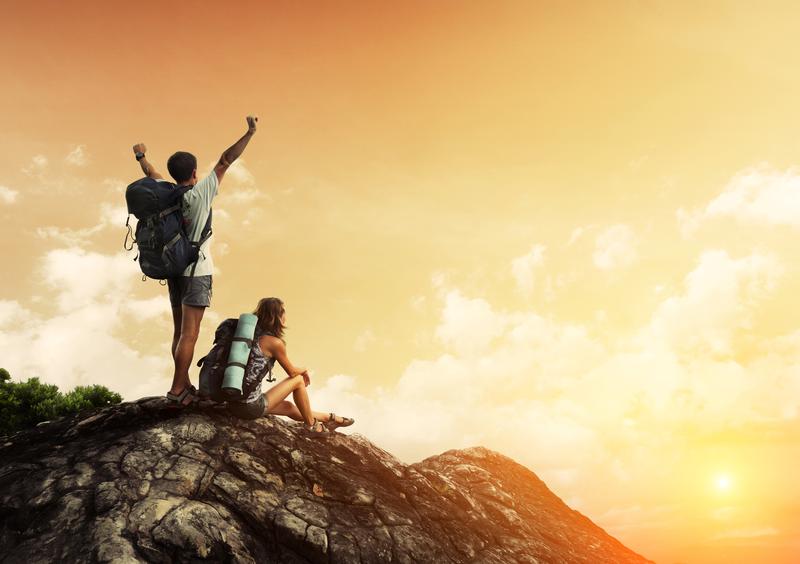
(277, 349)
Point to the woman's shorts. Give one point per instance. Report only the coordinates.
(252, 410)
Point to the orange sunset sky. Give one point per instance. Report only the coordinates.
(566, 231)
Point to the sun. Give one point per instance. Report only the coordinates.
(723, 482)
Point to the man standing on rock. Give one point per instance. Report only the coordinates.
(190, 293)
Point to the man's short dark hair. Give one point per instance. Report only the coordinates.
(181, 165)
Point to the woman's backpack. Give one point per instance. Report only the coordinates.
(213, 365)
(165, 250)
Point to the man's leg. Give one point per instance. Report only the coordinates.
(176, 289)
(177, 319)
(191, 316)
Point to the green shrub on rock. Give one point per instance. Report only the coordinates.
(24, 404)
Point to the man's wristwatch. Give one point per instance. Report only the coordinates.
(139, 156)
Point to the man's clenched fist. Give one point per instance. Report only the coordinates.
(251, 123)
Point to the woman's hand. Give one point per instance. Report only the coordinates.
(304, 373)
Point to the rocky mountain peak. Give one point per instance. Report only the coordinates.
(142, 482)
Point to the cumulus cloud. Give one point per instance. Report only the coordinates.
(111, 216)
(583, 409)
(11, 312)
(7, 195)
(523, 268)
(747, 533)
(615, 247)
(78, 344)
(77, 156)
(240, 174)
(37, 166)
(364, 340)
(243, 188)
(468, 325)
(718, 301)
(115, 186)
(244, 195)
(760, 194)
(576, 234)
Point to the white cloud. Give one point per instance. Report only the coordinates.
(243, 188)
(747, 533)
(77, 156)
(144, 310)
(111, 216)
(620, 520)
(719, 298)
(581, 409)
(82, 276)
(221, 248)
(115, 185)
(11, 312)
(77, 344)
(418, 303)
(364, 340)
(37, 166)
(7, 195)
(760, 194)
(576, 234)
(240, 174)
(243, 195)
(638, 163)
(615, 248)
(724, 513)
(468, 325)
(523, 268)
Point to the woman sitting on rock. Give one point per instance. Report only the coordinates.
(269, 346)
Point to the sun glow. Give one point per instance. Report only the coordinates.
(723, 482)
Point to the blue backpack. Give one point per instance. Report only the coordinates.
(165, 250)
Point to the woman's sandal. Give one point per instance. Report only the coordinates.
(179, 400)
(332, 424)
(316, 427)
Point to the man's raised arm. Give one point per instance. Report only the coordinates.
(235, 151)
(139, 150)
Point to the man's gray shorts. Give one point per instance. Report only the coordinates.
(190, 290)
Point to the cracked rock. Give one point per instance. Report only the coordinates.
(143, 482)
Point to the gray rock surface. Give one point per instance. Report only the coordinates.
(140, 482)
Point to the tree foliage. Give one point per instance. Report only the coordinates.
(24, 404)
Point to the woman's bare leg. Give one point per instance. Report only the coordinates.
(297, 387)
(290, 410)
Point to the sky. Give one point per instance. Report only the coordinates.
(562, 230)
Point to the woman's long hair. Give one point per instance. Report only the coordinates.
(269, 312)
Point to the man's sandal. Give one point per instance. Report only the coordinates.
(332, 424)
(179, 400)
(316, 427)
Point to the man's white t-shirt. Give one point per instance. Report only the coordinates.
(196, 207)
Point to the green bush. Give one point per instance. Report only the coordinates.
(24, 404)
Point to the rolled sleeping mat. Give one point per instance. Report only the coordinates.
(240, 353)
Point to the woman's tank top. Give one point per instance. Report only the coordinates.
(258, 366)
